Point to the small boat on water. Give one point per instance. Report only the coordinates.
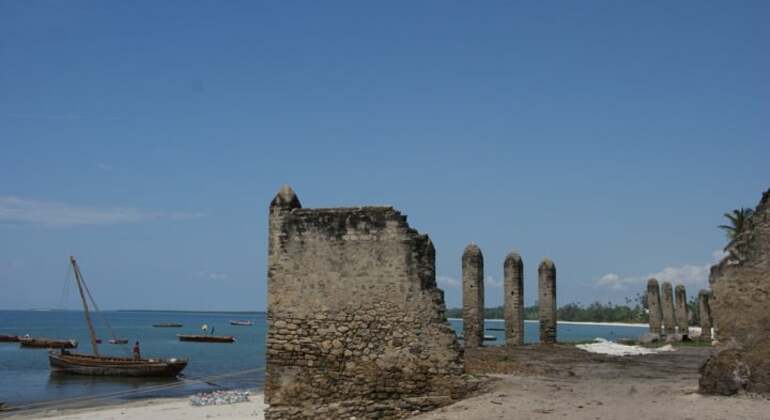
(490, 338)
(118, 341)
(167, 325)
(206, 338)
(242, 323)
(98, 365)
(46, 343)
(9, 338)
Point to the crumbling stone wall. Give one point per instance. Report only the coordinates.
(513, 305)
(740, 299)
(356, 324)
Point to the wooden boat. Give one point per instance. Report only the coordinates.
(206, 338)
(118, 341)
(167, 325)
(86, 364)
(242, 323)
(9, 338)
(97, 365)
(490, 338)
(47, 343)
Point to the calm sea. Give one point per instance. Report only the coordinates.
(25, 377)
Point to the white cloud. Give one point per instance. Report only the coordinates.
(448, 282)
(688, 275)
(47, 213)
(104, 166)
(218, 276)
(491, 282)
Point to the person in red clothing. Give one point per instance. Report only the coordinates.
(135, 351)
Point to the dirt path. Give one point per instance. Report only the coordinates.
(564, 382)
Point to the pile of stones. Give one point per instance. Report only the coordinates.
(219, 398)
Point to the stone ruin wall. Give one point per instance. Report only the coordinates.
(356, 324)
(740, 303)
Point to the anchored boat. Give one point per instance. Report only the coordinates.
(9, 338)
(242, 323)
(47, 343)
(207, 338)
(98, 365)
(167, 325)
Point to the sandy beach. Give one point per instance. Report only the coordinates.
(156, 409)
(538, 382)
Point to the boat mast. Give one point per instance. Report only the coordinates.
(79, 280)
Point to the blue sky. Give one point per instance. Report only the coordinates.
(148, 138)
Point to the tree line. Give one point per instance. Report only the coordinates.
(633, 311)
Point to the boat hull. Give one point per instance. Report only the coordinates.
(207, 338)
(45, 343)
(9, 339)
(80, 364)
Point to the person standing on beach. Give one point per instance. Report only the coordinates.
(135, 351)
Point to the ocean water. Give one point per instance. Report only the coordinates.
(25, 378)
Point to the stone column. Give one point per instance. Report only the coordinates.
(473, 296)
(667, 304)
(547, 301)
(653, 304)
(513, 289)
(704, 310)
(682, 318)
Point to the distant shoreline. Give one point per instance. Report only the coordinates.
(614, 324)
(139, 310)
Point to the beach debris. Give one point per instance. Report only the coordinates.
(219, 398)
(603, 346)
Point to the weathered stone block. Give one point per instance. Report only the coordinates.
(547, 301)
(513, 305)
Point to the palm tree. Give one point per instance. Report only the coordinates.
(737, 224)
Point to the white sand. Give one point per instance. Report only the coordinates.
(158, 409)
(603, 346)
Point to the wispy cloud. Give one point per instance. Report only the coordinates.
(448, 282)
(213, 276)
(104, 166)
(35, 116)
(688, 275)
(491, 282)
(48, 213)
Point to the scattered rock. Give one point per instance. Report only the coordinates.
(219, 398)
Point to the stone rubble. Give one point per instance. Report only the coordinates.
(219, 398)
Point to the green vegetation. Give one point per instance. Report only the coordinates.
(737, 224)
(632, 311)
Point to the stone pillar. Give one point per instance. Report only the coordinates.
(704, 310)
(547, 301)
(682, 316)
(473, 296)
(667, 304)
(653, 304)
(513, 289)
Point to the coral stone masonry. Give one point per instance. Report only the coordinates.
(473, 296)
(547, 301)
(740, 307)
(513, 300)
(356, 324)
(653, 303)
